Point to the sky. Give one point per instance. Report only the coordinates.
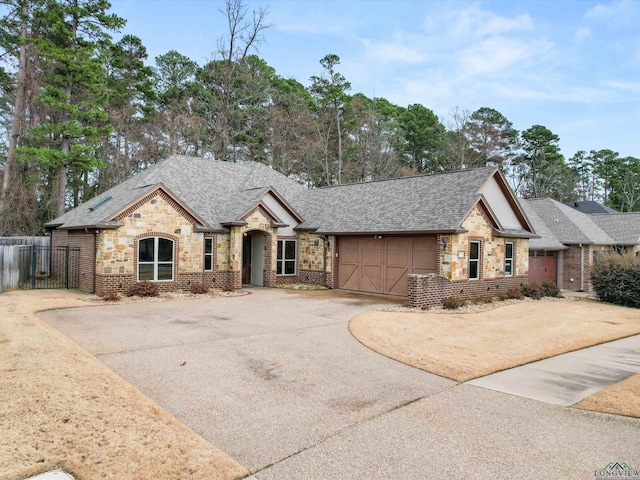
(572, 66)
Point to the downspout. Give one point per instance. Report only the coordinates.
(95, 257)
(581, 268)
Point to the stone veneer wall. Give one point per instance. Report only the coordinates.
(454, 259)
(310, 266)
(157, 215)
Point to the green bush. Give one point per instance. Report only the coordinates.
(450, 303)
(144, 289)
(616, 279)
(199, 288)
(549, 289)
(533, 290)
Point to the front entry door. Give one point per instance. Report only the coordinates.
(246, 259)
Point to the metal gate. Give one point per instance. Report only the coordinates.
(49, 267)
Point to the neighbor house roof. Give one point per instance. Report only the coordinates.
(218, 194)
(624, 228)
(590, 206)
(568, 226)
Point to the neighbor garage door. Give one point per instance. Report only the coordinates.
(542, 266)
(381, 265)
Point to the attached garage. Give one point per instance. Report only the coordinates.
(543, 266)
(378, 264)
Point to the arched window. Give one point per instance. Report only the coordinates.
(155, 259)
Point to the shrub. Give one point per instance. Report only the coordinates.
(111, 296)
(514, 293)
(549, 289)
(228, 287)
(144, 289)
(450, 303)
(533, 290)
(199, 288)
(616, 279)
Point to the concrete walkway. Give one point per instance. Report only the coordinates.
(566, 379)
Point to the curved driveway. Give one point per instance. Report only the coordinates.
(276, 380)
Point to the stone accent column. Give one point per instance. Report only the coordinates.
(235, 256)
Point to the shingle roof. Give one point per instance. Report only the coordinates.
(422, 203)
(220, 192)
(624, 228)
(216, 191)
(547, 240)
(567, 225)
(590, 206)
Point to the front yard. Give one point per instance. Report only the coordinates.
(464, 346)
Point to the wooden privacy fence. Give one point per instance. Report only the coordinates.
(10, 259)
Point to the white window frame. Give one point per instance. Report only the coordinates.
(475, 260)
(281, 262)
(508, 260)
(209, 254)
(155, 262)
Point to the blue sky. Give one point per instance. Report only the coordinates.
(572, 66)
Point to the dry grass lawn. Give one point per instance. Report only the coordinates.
(621, 399)
(466, 346)
(62, 408)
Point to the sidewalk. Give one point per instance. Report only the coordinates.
(568, 378)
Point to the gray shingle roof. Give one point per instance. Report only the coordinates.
(568, 226)
(547, 240)
(624, 228)
(220, 192)
(423, 203)
(216, 191)
(590, 206)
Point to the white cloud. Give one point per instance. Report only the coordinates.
(496, 55)
(627, 86)
(581, 34)
(474, 21)
(599, 11)
(622, 10)
(396, 52)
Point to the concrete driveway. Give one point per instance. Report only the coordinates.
(276, 380)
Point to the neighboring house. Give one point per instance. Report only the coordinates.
(624, 228)
(190, 220)
(570, 241)
(590, 207)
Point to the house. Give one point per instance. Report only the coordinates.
(570, 241)
(190, 220)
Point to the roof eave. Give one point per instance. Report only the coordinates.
(96, 226)
(507, 234)
(393, 232)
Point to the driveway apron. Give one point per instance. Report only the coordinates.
(568, 378)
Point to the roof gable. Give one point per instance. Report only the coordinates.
(179, 206)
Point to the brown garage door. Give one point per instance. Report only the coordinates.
(381, 265)
(542, 267)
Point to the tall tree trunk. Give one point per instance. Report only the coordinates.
(17, 122)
